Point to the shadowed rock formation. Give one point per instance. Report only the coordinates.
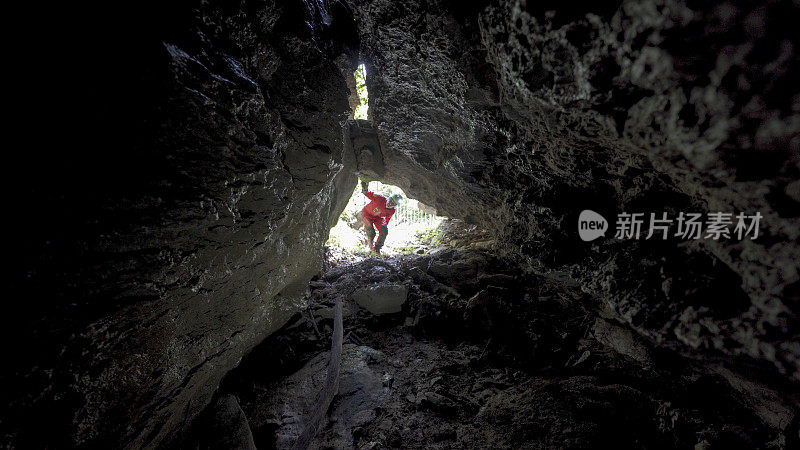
(177, 246)
(519, 115)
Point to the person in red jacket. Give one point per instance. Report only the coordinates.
(376, 214)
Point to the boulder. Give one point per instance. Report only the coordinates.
(382, 299)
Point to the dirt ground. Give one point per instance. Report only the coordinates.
(480, 356)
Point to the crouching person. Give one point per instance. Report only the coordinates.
(376, 215)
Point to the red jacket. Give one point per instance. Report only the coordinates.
(376, 210)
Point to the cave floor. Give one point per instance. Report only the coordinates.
(480, 356)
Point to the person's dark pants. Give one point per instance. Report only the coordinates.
(371, 234)
(381, 238)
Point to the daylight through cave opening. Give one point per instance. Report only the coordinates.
(413, 228)
(361, 111)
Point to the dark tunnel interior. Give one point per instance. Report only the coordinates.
(610, 194)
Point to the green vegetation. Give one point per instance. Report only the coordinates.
(431, 237)
(361, 90)
(425, 237)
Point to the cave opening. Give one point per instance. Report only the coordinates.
(361, 111)
(413, 229)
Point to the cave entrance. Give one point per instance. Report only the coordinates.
(414, 228)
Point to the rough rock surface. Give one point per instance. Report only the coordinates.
(485, 366)
(157, 257)
(288, 402)
(518, 115)
(228, 426)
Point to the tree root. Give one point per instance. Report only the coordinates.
(325, 397)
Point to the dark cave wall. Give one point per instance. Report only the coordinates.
(199, 166)
(518, 118)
